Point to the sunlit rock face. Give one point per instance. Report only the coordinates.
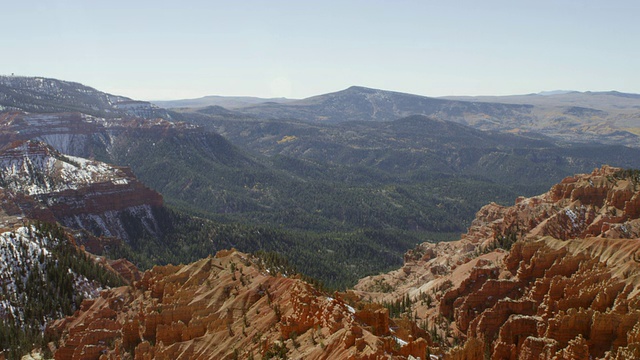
(225, 306)
(554, 276)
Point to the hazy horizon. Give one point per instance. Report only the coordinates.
(161, 50)
(542, 92)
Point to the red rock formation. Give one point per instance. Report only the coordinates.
(513, 333)
(567, 289)
(127, 270)
(221, 307)
(376, 318)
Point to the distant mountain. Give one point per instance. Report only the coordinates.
(43, 95)
(363, 104)
(608, 101)
(555, 92)
(230, 102)
(610, 117)
(423, 145)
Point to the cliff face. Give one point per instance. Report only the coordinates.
(38, 182)
(555, 294)
(554, 276)
(77, 134)
(227, 307)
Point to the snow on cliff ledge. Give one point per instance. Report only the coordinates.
(33, 168)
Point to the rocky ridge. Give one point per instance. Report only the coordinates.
(230, 307)
(555, 276)
(601, 118)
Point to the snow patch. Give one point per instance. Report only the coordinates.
(400, 341)
(573, 217)
(21, 252)
(24, 253)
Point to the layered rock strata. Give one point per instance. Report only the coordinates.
(38, 182)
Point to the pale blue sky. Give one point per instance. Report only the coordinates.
(190, 48)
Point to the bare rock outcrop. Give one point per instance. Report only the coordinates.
(556, 276)
(225, 307)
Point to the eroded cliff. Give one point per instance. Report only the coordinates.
(38, 182)
(230, 307)
(555, 276)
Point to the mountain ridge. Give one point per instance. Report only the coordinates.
(39, 94)
(607, 117)
(362, 103)
(611, 117)
(230, 102)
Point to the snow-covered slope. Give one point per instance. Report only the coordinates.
(25, 257)
(35, 168)
(38, 94)
(39, 182)
(44, 276)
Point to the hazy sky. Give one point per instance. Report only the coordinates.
(184, 49)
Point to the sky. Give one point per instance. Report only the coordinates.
(161, 50)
